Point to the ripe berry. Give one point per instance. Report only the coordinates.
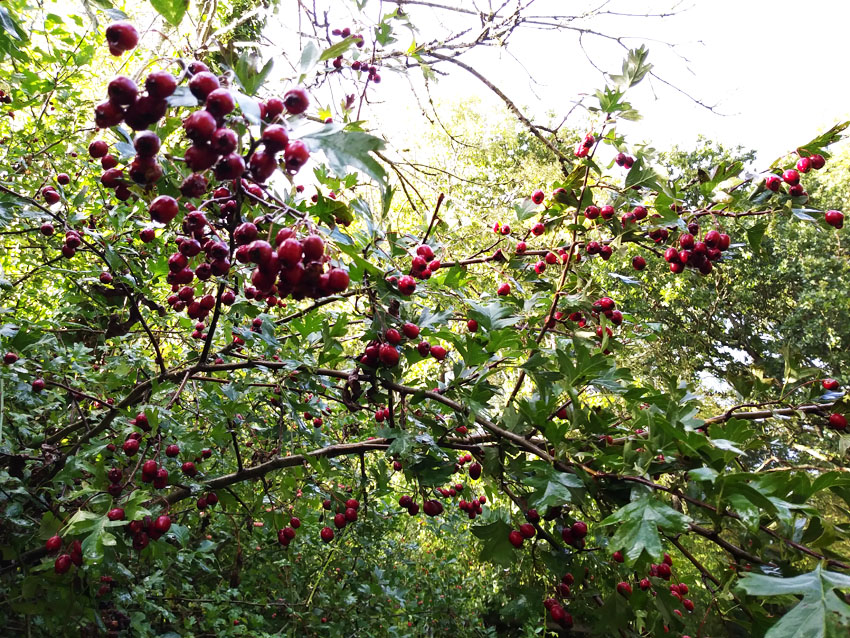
(122, 91)
(438, 352)
(275, 138)
(504, 289)
(295, 156)
(527, 530)
(121, 36)
(831, 384)
(617, 556)
(538, 229)
(579, 529)
(98, 148)
(837, 421)
(804, 165)
(624, 589)
(146, 143)
(638, 262)
(202, 84)
(188, 468)
(62, 564)
(410, 330)
(296, 101)
(160, 84)
(818, 162)
(116, 514)
(515, 538)
(791, 177)
(537, 197)
(162, 524)
(262, 165)
(406, 285)
(200, 126)
(388, 355)
(220, 102)
(130, 447)
(163, 209)
(834, 218)
(108, 114)
(327, 534)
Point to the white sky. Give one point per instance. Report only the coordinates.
(774, 69)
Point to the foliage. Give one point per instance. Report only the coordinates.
(557, 456)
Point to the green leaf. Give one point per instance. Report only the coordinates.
(247, 69)
(755, 234)
(635, 68)
(10, 26)
(309, 57)
(820, 614)
(348, 148)
(172, 10)
(182, 96)
(639, 525)
(495, 546)
(337, 49)
(552, 488)
(642, 176)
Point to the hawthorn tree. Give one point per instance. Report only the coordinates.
(241, 398)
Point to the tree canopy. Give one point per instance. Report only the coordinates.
(269, 372)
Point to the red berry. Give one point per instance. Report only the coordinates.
(296, 101)
(163, 209)
(202, 84)
(121, 36)
(410, 330)
(98, 148)
(160, 84)
(122, 91)
(438, 352)
(220, 102)
(791, 177)
(275, 138)
(53, 544)
(162, 524)
(837, 421)
(834, 218)
(504, 289)
(295, 156)
(624, 589)
(515, 538)
(831, 384)
(62, 564)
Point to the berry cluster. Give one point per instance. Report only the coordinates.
(697, 254)
(73, 556)
(286, 535)
(584, 146)
(424, 263)
(343, 516)
(147, 529)
(624, 160)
